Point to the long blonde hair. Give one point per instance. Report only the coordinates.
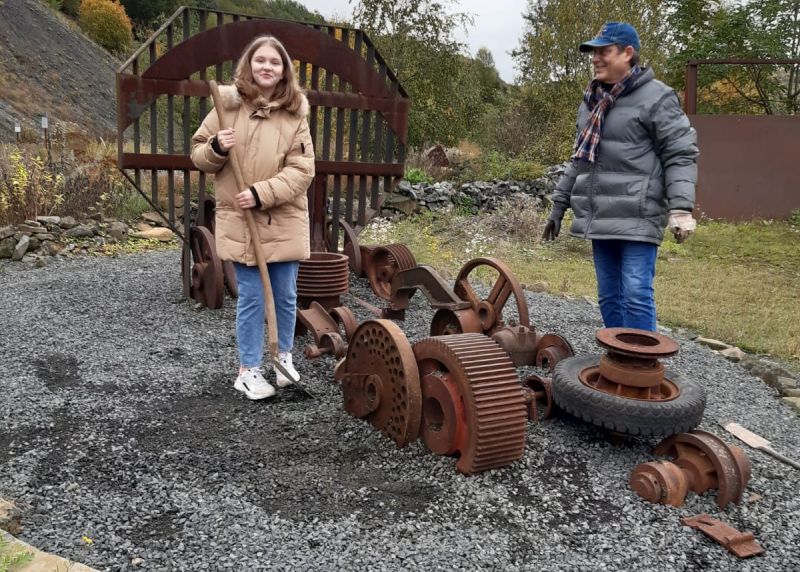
(288, 93)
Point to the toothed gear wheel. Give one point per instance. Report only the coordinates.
(380, 383)
(473, 404)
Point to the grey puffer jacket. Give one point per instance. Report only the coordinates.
(646, 166)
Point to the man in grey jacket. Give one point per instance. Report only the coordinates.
(633, 172)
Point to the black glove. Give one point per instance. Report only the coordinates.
(552, 228)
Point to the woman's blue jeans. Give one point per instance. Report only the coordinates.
(250, 309)
(625, 270)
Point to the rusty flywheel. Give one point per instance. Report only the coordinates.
(473, 404)
(380, 382)
(207, 286)
(484, 315)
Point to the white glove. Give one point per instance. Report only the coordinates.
(682, 224)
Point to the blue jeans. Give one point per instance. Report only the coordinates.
(625, 270)
(250, 309)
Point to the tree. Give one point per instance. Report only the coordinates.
(106, 23)
(759, 29)
(416, 39)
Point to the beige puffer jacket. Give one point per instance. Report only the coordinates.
(276, 157)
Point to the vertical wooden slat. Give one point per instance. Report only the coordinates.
(153, 134)
(303, 79)
(312, 124)
(202, 112)
(218, 67)
(377, 156)
(366, 125)
(137, 134)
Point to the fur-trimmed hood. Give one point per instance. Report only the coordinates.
(232, 99)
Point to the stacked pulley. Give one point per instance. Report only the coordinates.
(627, 389)
(459, 393)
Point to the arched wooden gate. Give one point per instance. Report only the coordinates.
(358, 119)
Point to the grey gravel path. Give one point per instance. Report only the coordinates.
(118, 422)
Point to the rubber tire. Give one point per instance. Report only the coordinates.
(631, 416)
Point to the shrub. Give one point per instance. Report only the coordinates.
(415, 175)
(106, 22)
(71, 7)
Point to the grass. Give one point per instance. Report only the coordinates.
(12, 557)
(735, 282)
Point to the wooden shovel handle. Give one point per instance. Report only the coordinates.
(255, 239)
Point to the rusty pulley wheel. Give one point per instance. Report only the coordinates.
(489, 311)
(387, 261)
(210, 222)
(701, 462)
(380, 381)
(346, 244)
(207, 286)
(551, 349)
(473, 405)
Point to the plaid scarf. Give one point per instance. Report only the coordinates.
(600, 102)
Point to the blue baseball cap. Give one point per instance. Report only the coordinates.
(620, 33)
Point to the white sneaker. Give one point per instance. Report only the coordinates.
(286, 361)
(251, 382)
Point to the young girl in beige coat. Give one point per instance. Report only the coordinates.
(267, 112)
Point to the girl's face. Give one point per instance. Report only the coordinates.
(267, 67)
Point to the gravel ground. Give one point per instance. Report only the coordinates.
(120, 424)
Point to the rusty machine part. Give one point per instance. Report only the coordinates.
(330, 343)
(367, 252)
(742, 544)
(538, 397)
(424, 278)
(702, 462)
(631, 367)
(209, 221)
(385, 262)
(207, 278)
(346, 319)
(323, 278)
(519, 342)
(380, 381)
(473, 405)
(627, 389)
(551, 349)
(349, 247)
(324, 327)
(483, 316)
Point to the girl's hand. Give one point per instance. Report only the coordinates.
(226, 139)
(245, 199)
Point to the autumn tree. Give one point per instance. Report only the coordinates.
(416, 38)
(106, 22)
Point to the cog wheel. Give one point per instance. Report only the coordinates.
(385, 263)
(473, 404)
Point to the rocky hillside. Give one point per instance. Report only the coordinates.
(48, 65)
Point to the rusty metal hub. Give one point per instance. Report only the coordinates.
(473, 405)
(551, 349)
(380, 381)
(701, 462)
(631, 368)
(323, 278)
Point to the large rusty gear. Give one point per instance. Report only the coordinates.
(386, 261)
(701, 462)
(380, 381)
(207, 286)
(486, 313)
(473, 404)
(210, 222)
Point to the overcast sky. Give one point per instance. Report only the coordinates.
(498, 26)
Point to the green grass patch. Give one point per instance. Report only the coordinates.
(736, 282)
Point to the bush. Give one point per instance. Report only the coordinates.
(71, 7)
(106, 22)
(415, 175)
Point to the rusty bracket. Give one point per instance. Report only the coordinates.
(742, 544)
(425, 279)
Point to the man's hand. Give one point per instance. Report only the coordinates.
(552, 228)
(682, 225)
